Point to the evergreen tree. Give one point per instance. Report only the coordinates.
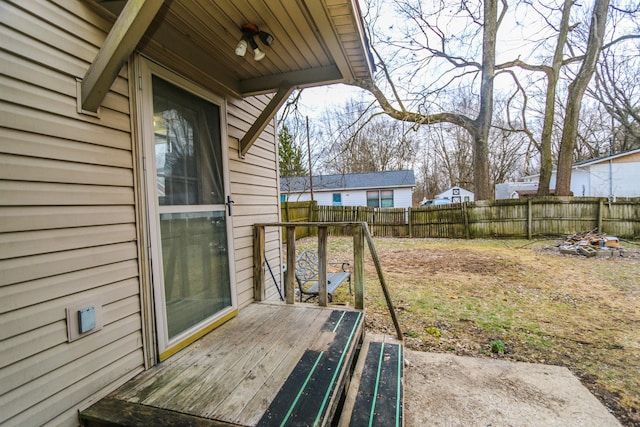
(291, 157)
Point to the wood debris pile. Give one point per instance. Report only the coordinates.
(591, 244)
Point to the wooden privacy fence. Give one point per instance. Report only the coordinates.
(514, 218)
(299, 212)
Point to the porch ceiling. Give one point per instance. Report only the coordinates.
(315, 42)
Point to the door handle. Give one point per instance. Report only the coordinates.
(229, 203)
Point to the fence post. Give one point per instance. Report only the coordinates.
(600, 213)
(467, 232)
(529, 219)
(410, 221)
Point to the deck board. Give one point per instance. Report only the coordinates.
(152, 386)
(375, 396)
(231, 392)
(235, 372)
(309, 395)
(267, 377)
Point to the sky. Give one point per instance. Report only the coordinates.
(316, 100)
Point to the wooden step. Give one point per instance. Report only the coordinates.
(312, 392)
(118, 413)
(375, 395)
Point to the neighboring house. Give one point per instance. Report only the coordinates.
(457, 195)
(124, 143)
(515, 190)
(518, 190)
(617, 175)
(391, 189)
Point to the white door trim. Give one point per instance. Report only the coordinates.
(143, 85)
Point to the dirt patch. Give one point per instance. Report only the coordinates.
(466, 297)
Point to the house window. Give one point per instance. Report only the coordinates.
(380, 199)
(386, 199)
(373, 199)
(337, 199)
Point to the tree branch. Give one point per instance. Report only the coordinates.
(407, 116)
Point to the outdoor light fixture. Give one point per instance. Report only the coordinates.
(249, 32)
(241, 47)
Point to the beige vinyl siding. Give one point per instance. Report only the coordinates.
(67, 218)
(253, 182)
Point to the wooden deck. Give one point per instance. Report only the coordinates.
(273, 364)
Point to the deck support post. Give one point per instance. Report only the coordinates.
(258, 263)
(322, 266)
(358, 267)
(289, 280)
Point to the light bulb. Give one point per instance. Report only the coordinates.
(241, 47)
(258, 54)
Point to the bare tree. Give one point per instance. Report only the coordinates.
(593, 136)
(565, 59)
(617, 89)
(552, 73)
(575, 94)
(358, 143)
(482, 19)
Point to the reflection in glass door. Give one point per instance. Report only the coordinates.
(195, 267)
(190, 213)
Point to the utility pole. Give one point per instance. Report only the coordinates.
(309, 155)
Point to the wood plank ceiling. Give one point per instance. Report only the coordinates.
(315, 42)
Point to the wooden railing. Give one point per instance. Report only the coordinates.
(360, 233)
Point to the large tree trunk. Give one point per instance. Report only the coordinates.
(575, 94)
(553, 74)
(483, 121)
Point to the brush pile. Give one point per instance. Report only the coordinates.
(591, 244)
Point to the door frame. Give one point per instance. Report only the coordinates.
(158, 343)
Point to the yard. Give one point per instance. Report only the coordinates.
(515, 300)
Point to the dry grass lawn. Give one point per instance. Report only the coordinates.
(462, 296)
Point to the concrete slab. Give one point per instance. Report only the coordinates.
(448, 391)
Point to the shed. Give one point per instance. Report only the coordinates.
(388, 189)
(138, 149)
(456, 194)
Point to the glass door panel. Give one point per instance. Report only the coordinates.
(196, 267)
(187, 147)
(194, 281)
